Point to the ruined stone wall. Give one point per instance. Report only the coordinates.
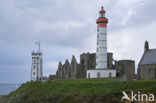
(126, 67)
(52, 77)
(73, 70)
(74, 67)
(109, 60)
(88, 61)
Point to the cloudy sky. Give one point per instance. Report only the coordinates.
(67, 27)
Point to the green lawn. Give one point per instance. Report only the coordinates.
(43, 91)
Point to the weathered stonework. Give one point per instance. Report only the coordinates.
(75, 70)
(147, 72)
(88, 61)
(147, 64)
(126, 67)
(52, 77)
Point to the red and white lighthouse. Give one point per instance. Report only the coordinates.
(101, 53)
(101, 70)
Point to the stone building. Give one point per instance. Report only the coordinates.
(147, 64)
(73, 69)
(125, 67)
(87, 61)
(52, 77)
(37, 66)
(70, 70)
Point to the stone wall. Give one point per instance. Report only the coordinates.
(125, 67)
(52, 77)
(110, 60)
(73, 70)
(88, 61)
(147, 72)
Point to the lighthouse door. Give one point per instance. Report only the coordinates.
(110, 74)
(98, 75)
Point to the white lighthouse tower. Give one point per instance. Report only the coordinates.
(101, 53)
(36, 67)
(101, 70)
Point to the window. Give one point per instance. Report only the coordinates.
(34, 66)
(34, 61)
(150, 71)
(98, 29)
(88, 75)
(96, 64)
(98, 75)
(97, 57)
(33, 73)
(110, 74)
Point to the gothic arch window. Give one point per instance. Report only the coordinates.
(96, 64)
(110, 74)
(117, 74)
(88, 75)
(73, 66)
(150, 71)
(69, 74)
(82, 62)
(66, 70)
(63, 75)
(98, 75)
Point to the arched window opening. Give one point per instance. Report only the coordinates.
(98, 75)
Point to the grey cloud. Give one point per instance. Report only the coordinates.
(64, 27)
(143, 14)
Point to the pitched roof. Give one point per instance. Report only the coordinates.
(148, 57)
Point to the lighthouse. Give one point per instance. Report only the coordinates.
(101, 53)
(101, 70)
(37, 67)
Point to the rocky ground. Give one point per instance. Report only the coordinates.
(3, 98)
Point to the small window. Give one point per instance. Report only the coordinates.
(110, 74)
(88, 75)
(150, 71)
(97, 57)
(33, 73)
(98, 29)
(34, 66)
(98, 75)
(96, 64)
(34, 61)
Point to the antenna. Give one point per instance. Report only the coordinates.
(38, 43)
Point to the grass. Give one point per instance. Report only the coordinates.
(52, 90)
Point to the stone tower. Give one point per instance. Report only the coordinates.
(146, 48)
(36, 67)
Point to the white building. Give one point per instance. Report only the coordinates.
(101, 70)
(36, 67)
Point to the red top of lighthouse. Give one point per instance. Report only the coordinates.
(102, 10)
(102, 20)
